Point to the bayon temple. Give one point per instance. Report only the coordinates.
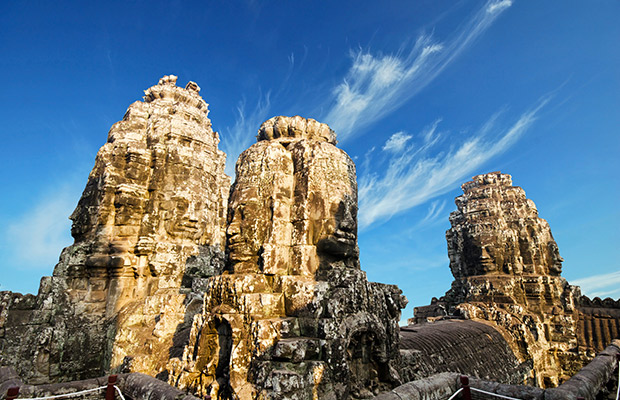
(186, 284)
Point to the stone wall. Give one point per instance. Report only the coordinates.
(134, 386)
(435, 387)
(597, 380)
(592, 381)
(599, 323)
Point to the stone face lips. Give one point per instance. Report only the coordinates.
(150, 224)
(507, 268)
(293, 316)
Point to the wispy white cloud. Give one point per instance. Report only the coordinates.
(603, 285)
(498, 6)
(434, 215)
(242, 134)
(377, 85)
(37, 238)
(413, 177)
(396, 142)
(434, 212)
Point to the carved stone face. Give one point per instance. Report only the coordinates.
(341, 243)
(245, 233)
(496, 230)
(330, 201)
(487, 260)
(480, 258)
(294, 203)
(181, 218)
(555, 266)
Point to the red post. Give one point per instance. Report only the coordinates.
(466, 390)
(12, 393)
(109, 392)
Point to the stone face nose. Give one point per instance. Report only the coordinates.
(348, 221)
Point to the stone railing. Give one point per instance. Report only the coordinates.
(594, 379)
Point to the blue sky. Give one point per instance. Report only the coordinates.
(422, 95)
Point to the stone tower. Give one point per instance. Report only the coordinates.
(507, 268)
(149, 226)
(293, 316)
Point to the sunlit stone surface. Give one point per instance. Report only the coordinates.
(149, 224)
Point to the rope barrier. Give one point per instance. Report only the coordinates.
(455, 394)
(66, 394)
(618, 391)
(120, 394)
(494, 394)
(74, 394)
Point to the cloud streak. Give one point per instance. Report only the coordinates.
(603, 285)
(414, 176)
(396, 142)
(377, 85)
(243, 133)
(434, 214)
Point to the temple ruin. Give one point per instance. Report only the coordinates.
(507, 273)
(254, 290)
